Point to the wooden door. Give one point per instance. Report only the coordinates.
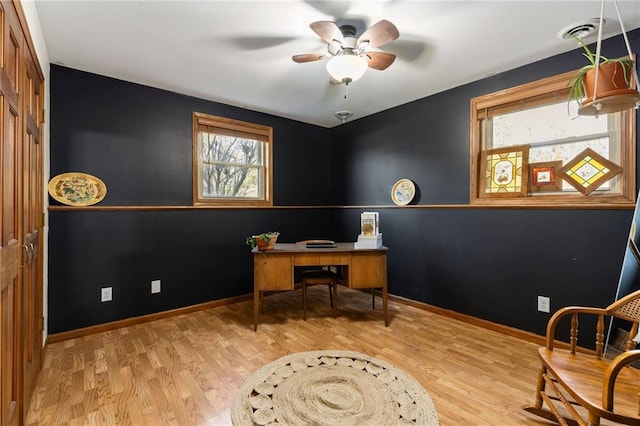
(31, 220)
(21, 209)
(12, 252)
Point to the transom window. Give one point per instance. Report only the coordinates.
(536, 124)
(231, 161)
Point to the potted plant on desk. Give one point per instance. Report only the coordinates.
(264, 241)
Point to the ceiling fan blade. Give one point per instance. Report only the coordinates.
(327, 30)
(307, 57)
(333, 81)
(379, 33)
(380, 60)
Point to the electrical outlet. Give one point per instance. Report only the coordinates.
(106, 294)
(544, 304)
(155, 286)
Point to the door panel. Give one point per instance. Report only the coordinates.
(11, 259)
(31, 279)
(21, 207)
(8, 381)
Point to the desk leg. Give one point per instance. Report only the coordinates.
(256, 306)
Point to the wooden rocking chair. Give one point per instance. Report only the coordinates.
(605, 388)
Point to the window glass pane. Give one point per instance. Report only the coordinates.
(546, 123)
(230, 181)
(567, 151)
(229, 149)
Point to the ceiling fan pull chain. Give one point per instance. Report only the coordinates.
(346, 89)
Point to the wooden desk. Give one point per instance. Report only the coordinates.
(273, 270)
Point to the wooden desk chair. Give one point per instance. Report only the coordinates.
(605, 388)
(320, 276)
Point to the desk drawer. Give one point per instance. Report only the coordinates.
(321, 259)
(272, 272)
(368, 270)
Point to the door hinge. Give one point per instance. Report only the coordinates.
(43, 219)
(41, 323)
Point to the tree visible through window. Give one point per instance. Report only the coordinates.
(231, 161)
(230, 165)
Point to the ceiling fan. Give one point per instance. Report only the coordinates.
(349, 55)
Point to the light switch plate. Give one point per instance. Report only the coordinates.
(106, 294)
(544, 304)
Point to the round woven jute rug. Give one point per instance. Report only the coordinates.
(332, 388)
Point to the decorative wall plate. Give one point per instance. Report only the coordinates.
(403, 192)
(77, 189)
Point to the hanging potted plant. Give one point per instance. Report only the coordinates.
(264, 241)
(614, 84)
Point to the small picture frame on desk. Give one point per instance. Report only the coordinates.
(369, 223)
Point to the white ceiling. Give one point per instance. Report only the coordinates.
(239, 52)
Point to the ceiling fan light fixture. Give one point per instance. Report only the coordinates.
(347, 68)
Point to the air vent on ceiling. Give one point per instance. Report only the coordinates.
(580, 29)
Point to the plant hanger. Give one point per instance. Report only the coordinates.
(621, 99)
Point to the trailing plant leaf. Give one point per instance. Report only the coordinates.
(266, 236)
(576, 84)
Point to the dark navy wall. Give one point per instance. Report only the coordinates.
(199, 256)
(493, 263)
(138, 140)
(486, 262)
(489, 263)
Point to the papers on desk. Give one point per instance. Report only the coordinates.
(368, 242)
(318, 243)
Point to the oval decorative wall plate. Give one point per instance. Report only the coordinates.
(403, 192)
(77, 189)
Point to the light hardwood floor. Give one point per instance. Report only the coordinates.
(185, 370)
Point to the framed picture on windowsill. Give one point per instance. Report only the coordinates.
(588, 171)
(504, 172)
(542, 176)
